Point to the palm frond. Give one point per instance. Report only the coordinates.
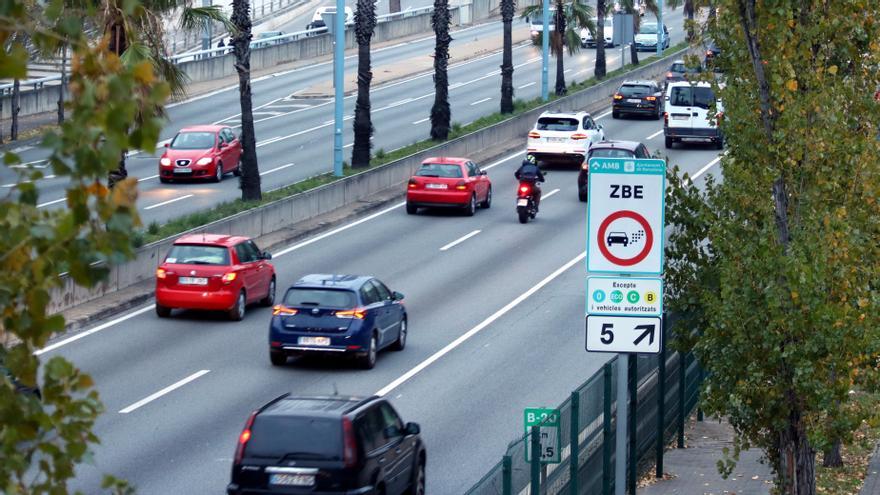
(200, 18)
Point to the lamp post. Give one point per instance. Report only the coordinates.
(545, 50)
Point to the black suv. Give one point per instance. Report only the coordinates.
(328, 445)
(637, 97)
(608, 149)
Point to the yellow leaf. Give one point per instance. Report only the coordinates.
(792, 85)
(832, 70)
(143, 72)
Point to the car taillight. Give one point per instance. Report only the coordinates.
(282, 310)
(413, 183)
(243, 438)
(665, 118)
(708, 53)
(669, 75)
(349, 444)
(585, 166)
(161, 273)
(461, 185)
(618, 96)
(229, 277)
(651, 98)
(579, 136)
(534, 135)
(360, 314)
(719, 116)
(165, 161)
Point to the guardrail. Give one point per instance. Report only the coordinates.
(36, 83)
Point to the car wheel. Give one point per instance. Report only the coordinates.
(488, 202)
(368, 361)
(417, 487)
(270, 295)
(237, 170)
(658, 114)
(163, 311)
(411, 209)
(719, 143)
(277, 358)
(471, 207)
(236, 313)
(400, 344)
(615, 114)
(668, 142)
(163, 180)
(218, 172)
(582, 196)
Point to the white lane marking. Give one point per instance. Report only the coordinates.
(148, 178)
(493, 73)
(273, 170)
(349, 145)
(524, 86)
(566, 71)
(397, 104)
(51, 202)
(420, 121)
(652, 136)
(268, 141)
(706, 167)
(551, 193)
(97, 329)
(168, 389)
(484, 100)
(32, 164)
(581, 72)
(459, 240)
(483, 324)
(604, 115)
(168, 202)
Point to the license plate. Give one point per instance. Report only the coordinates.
(183, 170)
(436, 186)
(633, 100)
(193, 281)
(679, 117)
(314, 341)
(292, 479)
(522, 202)
(556, 139)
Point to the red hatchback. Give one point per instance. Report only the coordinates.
(449, 182)
(214, 272)
(201, 152)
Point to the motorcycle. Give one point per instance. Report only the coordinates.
(525, 201)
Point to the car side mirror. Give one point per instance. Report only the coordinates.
(397, 296)
(167, 145)
(413, 429)
(267, 255)
(601, 127)
(483, 172)
(392, 432)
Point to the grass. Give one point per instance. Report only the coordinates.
(381, 157)
(848, 479)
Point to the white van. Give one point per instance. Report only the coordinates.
(687, 114)
(349, 14)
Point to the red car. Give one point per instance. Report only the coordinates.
(215, 273)
(449, 182)
(203, 152)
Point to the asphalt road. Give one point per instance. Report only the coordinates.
(294, 135)
(496, 324)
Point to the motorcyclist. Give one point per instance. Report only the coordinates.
(529, 172)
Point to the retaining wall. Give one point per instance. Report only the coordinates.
(289, 211)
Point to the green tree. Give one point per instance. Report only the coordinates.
(113, 106)
(778, 264)
(508, 9)
(364, 24)
(441, 114)
(601, 69)
(569, 18)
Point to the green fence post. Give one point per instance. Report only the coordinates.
(506, 475)
(536, 460)
(574, 447)
(606, 431)
(633, 422)
(682, 368)
(661, 408)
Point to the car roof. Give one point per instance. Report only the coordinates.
(702, 84)
(330, 406)
(627, 145)
(445, 159)
(324, 280)
(638, 81)
(211, 239)
(202, 128)
(560, 113)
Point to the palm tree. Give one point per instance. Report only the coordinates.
(508, 9)
(441, 115)
(600, 40)
(690, 7)
(630, 7)
(241, 48)
(570, 18)
(364, 23)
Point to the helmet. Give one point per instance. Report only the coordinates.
(531, 159)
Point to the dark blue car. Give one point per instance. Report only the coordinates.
(337, 314)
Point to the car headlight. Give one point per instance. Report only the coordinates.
(165, 161)
(205, 161)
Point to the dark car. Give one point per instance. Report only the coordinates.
(328, 445)
(316, 27)
(712, 53)
(608, 149)
(337, 314)
(680, 71)
(638, 98)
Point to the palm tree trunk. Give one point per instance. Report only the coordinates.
(118, 44)
(601, 68)
(441, 114)
(831, 457)
(508, 9)
(633, 52)
(365, 22)
(16, 107)
(689, 13)
(63, 83)
(558, 37)
(250, 171)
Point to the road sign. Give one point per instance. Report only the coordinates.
(642, 334)
(625, 217)
(551, 437)
(617, 296)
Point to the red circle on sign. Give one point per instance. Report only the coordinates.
(649, 238)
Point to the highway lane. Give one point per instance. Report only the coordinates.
(469, 400)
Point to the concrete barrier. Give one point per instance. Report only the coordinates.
(287, 212)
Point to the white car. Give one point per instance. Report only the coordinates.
(617, 8)
(646, 38)
(687, 115)
(608, 34)
(536, 26)
(564, 137)
(318, 15)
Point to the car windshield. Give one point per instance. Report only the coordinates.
(611, 153)
(276, 437)
(564, 124)
(634, 90)
(648, 29)
(686, 96)
(325, 298)
(446, 170)
(197, 254)
(193, 141)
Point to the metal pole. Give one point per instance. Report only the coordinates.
(620, 426)
(206, 33)
(633, 423)
(574, 457)
(661, 406)
(659, 27)
(682, 368)
(545, 51)
(338, 54)
(506, 475)
(606, 430)
(536, 460)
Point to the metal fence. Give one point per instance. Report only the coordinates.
(587, 424)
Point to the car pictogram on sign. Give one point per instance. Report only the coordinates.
(617, 238)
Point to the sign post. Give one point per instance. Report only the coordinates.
(624, 296)
(547, 421)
